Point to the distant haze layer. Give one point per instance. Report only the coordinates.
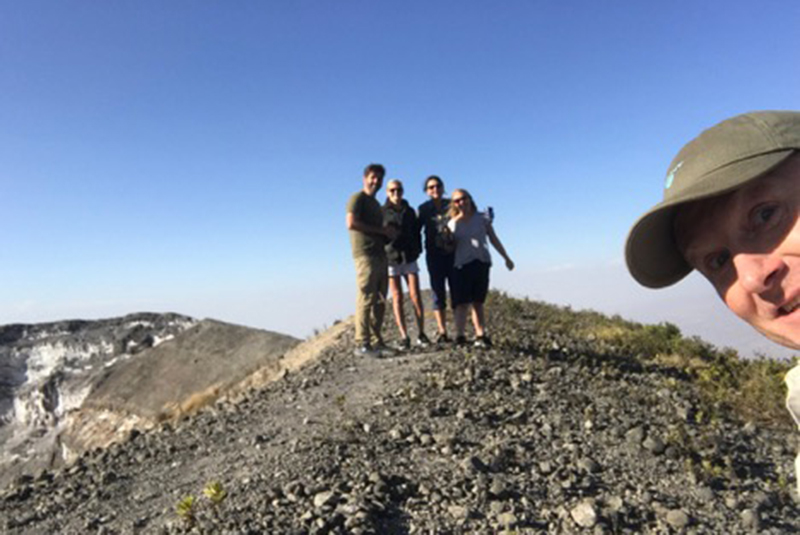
(298, 310)
(692, 304)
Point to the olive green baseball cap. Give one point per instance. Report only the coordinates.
(721, 159)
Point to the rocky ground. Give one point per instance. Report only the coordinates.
(543, 433)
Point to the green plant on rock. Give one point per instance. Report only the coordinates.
(186, 510)
(783, 483)
(711, 469)
(215, 493)
(699, 417)
(202, 514)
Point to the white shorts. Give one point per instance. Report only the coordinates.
(409, 268)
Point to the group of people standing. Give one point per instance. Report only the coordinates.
(387, 243)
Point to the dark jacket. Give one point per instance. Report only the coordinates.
(432, 222)
(407, 246)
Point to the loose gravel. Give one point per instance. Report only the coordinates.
(541, 434)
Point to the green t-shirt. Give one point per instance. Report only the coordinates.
(367, 210)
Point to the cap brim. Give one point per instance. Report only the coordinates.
(651, 251)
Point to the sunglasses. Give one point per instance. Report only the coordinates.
(395, 190)
(460, 200)
(434, 186)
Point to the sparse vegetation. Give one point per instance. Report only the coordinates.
(750, 390)
(202, 515)
(215, 493)
(186, 510)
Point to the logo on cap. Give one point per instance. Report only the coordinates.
(671, 175)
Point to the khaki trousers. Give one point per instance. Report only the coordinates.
(372, 281)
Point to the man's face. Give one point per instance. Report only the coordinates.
(394, 191)
(372, 183)
(747, 244)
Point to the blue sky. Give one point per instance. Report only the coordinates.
(197, 156)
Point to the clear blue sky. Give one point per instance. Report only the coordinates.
(196, 156)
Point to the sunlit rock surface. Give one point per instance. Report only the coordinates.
(69, 386)
(47, 371)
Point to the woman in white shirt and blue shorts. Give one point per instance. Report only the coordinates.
(472, 231)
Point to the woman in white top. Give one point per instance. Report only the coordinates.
(472, 232)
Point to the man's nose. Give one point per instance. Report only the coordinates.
(757, 272)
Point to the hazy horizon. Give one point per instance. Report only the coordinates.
(691, 305)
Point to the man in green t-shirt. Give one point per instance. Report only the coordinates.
(367, 238)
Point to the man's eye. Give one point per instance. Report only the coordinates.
(762, 215)
(717, 261)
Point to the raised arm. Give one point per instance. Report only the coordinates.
(495, 241)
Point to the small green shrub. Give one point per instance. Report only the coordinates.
(186, 510)
(202, 514)
(215, 493)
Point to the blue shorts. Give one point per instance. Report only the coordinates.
(470, 283)
(440, 269)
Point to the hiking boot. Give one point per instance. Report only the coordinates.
(422, 340)
(483, 342)
(404, 344)
(366, 351)
(442, 339)
(460, 340)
